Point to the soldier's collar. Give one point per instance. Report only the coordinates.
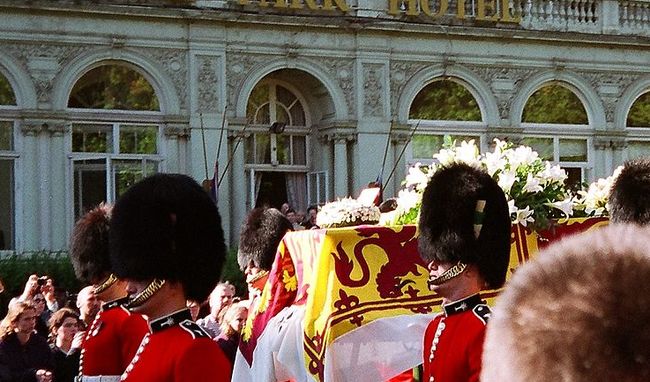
(170, 320)
(468, 303)
(115, 303)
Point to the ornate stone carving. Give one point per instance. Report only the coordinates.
(238, 67)
(400, 73)
(43, 62)
(373, 105)
(32, 128)
(341, 138)
(610, 86)
(343, 70)
(177, 132)
(208, 83)
(174, 62)
(504, 82)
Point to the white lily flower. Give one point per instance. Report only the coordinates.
(532, 184)
(521, 156)
(494, 162)
(524, 217)
(445, 156)
(566, 206)
(553, 174)
(417, 178)
(512, 209)
(468, 153)
(408, 199)
(507, 179)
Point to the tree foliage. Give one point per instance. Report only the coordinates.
(639, 115)
(554, 103)
(445, 100)
(7, 96)
(113, 87)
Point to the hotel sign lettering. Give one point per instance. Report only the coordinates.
(482, 10)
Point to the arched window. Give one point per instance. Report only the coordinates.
(8, 156)
(443, 107)
(638, 126)
(276, 150)
(115, 136)
(555, 123)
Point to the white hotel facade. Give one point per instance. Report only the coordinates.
(343, 79)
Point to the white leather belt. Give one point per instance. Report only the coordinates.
(101, 378)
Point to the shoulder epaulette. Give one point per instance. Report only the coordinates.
(482, 312)
(193, 329)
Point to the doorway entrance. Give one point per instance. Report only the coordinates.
(272, 190)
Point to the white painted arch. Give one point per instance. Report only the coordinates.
(473, 83)
(578, 85)
(162, 84)
(259, 72)
(20, 81)
(629, 96)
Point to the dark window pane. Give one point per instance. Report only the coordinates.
(445, 100)
(7, 96)
(573, 150)
(282, 146)
(113, 87)
(6, 204)
(299, 150)
(138, 139)
(89, 185)
(6, 135)
(554, 103)
(125, 174)
(92, 138)
(262, 148)
(574, 179)
(249, 149)
(638, 149)
(424, 146)
(639, 115)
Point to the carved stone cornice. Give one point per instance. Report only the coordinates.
(611, 143)
(341, 137)
(32, 128)
(176, 132)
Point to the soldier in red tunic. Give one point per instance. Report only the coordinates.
(112, 339)
(259, 238)
(465, 240)
(167, 242)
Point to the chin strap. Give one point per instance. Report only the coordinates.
(139, 299)
(448, 274)
(110, 280)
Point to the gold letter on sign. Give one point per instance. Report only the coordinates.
(426, 8)
(341, 4)
(481, 8)
(506, 17)
(411, 10)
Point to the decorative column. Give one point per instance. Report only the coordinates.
(176, 136)
(233, 188)
(55, 162)
(341, 171)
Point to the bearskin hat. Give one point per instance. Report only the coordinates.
(629, 199)
(449, 213)
(166, 227)
(260, 236)
(89, 245)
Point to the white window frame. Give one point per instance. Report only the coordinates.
(317, 178)
(109, 157)
(562, 131)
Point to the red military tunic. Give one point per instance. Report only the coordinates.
(453, 342)
(178, 350)
(111, 341)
